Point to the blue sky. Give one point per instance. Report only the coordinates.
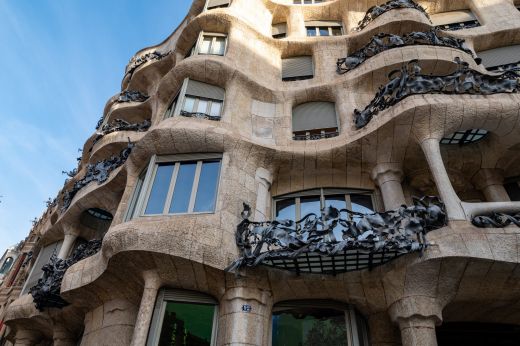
(61, 61)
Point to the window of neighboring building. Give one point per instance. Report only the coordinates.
(455, 20)
(279, 30)
(500, 58)
(179, 184)
(7, 265)
(308, 2)
(465, 137)
(295, 206)
(297, 68)
(512, 187)
(213, 4)
(314, 120)
(324, 28)
(43, 258)
(317, 323)
(183, 318)
(198, 99)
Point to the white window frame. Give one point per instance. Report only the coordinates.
(57, 247)
(180, 99)
(160, 309)
(297, 202)
(210, 103)
(313, 2)
(214, 36)
(144, 194)
(318, 34)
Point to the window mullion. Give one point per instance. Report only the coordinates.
(182, 98)
(195, 186)
(298, 209)
(147, 186)
(169, 195)
(348, 203)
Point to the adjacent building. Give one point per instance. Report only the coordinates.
(292, 172)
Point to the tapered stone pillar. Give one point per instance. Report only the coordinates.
(491, 182)
(264, 179)
(431, 149)
(296, 23)
(68, 242)
(152, 283)
(388, 177)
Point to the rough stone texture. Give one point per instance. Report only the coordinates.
(467, 274)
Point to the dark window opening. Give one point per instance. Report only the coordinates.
(478, 334)
(465, 137)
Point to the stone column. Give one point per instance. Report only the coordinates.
(152, 283)
(491, 182)
(63, 337)
(382, 331)
(244, 317)
(68, 241)
(388, 177)
(264, 179)
(431, 149)
(25, 337)
(417, 318)
(296, 23)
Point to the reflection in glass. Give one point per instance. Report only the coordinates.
(338, 202)
(286, 209)
(324, 31)
(206, 43)
(207, 190)
(361, 204)
(159, 190)
(187, 324)
(302, 326)
(310, 205)
(311, 31)
(215, 109)
(183, 186)
(188, 104)
(219, 45)
(202, 107)
(7, 265)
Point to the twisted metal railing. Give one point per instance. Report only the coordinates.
(311, 245)
(199, 115)
(496, 220)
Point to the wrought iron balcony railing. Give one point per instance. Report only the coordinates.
(310, 244)
(497, 220)
(199, 115)
(309, 136)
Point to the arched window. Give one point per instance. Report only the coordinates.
(183, 317)
(7, 265)
(314, 120)
(317, 322)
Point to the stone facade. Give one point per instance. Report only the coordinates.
(467, 274)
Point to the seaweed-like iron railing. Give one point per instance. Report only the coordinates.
(131, 96)
(120, 125)
(459, 26)
(394, 232)
(383, 42)
(99, 172)
(315, 136)
(409, 81)
(199, 115)
(376, 11)
(137, 61)
(496, 220)
(46, 293)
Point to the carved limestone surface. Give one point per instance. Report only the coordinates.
(497, 220)
(131, 96)
(383, 42)
(99, 172)
(409, 81)
(312, 244)
(46, 293)
(376, 11)
(120, 125)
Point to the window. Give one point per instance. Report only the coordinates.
(297, 68)
(212, 44)
(501, 58)
(465, 137)
(512, 186)
(213, 4)
(317, 323)
(455, 20)
(183, 318)
(179, 184)
(308, 2)
(43, 258)
(279, 30)
(314, 120)
(7, 265)
(324, 28)
(295, 206)
(197, 99)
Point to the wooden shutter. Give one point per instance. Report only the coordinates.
(216, 3)
(314, 116)
(500, 56)
(279, 29)
(299, 66)
(204, 90)
(445, 18)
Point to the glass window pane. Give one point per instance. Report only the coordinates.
(310, 205)
(336, 31)
(207, 189)
(286, 209)
(338, 202)
(183, 186)
(202, 107)
(187, 324)
(160, 186)
(218, 46)
(311, 31)
(206, 44)
(324, 31)
(189, 102)
(361, 204)
(215, 108)
(309, 326)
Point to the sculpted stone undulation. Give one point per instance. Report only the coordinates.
(378, 10)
